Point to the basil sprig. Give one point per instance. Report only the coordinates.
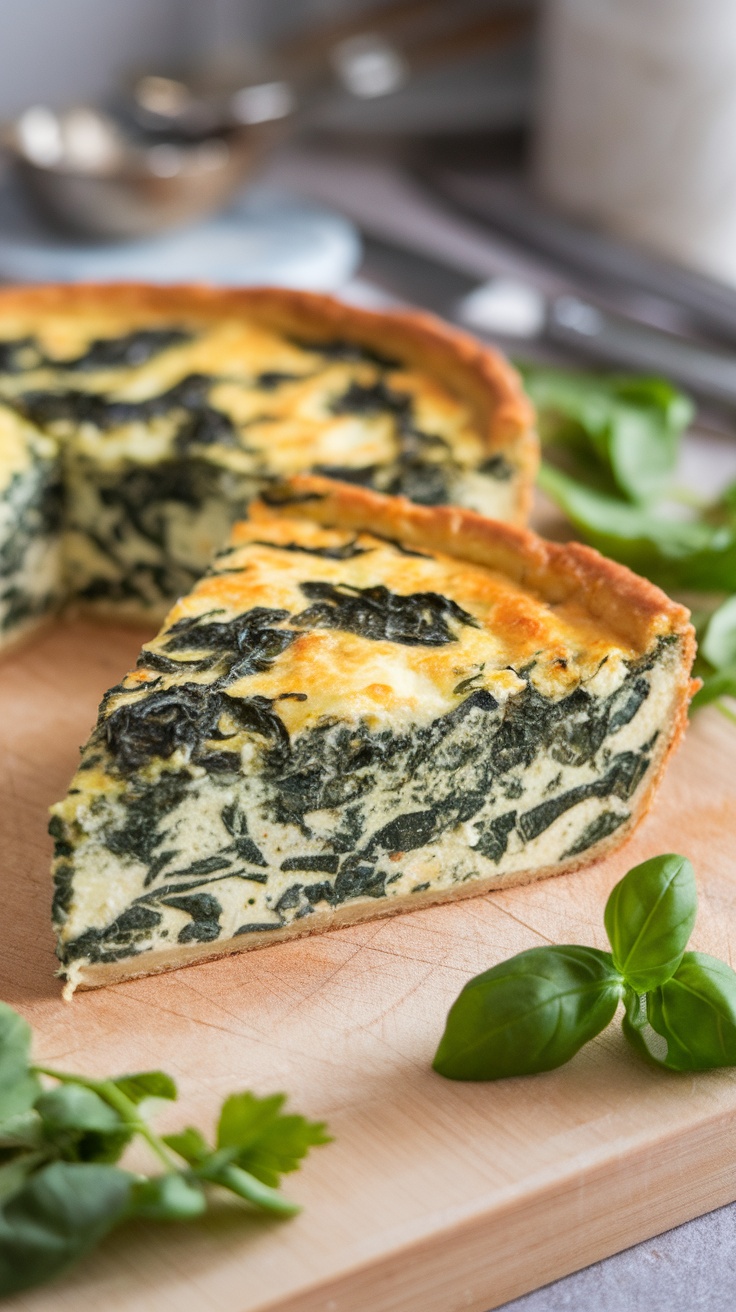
(533, 1012)
(62, 1136)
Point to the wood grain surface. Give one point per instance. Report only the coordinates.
(436, 1196)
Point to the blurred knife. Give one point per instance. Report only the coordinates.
(506, 205)
(515, 310)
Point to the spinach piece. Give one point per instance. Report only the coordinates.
(416, 619)
(205, 912)
(125, 352)
(649, 918)
(497, 467)
(529, 1014)
(186, 715)
(20, 355)
(325, 862)
(60, 1190)
(350, 352)
(236, 823)
(372, 399)
(533, 1012)
(271, 379)
(626, 772)
(604, 824)
(200, 423)
(249, 642)
(345, 551)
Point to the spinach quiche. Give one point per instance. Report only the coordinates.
(136, 424)
(365, 706)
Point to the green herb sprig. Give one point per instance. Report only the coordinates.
(611, 445)
(535, 1011)
(62, 1135)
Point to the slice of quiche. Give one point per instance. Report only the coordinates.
(162, 412)
(366, 706)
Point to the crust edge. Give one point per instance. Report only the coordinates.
(561, 572)
(476, 371)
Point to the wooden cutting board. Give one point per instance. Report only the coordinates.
(435, 1196)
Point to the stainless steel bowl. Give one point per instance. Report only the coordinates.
(91, 179)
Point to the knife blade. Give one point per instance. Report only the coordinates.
(515, 310)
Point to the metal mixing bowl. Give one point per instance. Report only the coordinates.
(92, 179)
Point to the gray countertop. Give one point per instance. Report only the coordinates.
(690, 1269)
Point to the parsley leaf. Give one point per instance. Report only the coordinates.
(61, 1191)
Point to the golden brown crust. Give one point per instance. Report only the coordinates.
(482, 376)
(560, 572)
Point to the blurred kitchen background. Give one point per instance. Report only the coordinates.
(552, 173)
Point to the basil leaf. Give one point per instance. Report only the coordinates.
(146, 1084)
(671, 552)
(649, 918)
(531, 1013)
(62, 1212)
(170, 1197)
(690, 1022)
(81, 1126)
(719, 644)
(19, 1087)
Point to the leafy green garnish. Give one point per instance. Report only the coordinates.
(535, 1011)
(689, 1022)
(611, 446)
(717, 657)
(631, 426)
(649, 918)
(529, 1014)
(676, 554)
(61, 1191)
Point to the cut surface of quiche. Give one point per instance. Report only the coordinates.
(136, 423)
(364, 707)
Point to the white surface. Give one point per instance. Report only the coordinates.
(637, 119)
(260, 239)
